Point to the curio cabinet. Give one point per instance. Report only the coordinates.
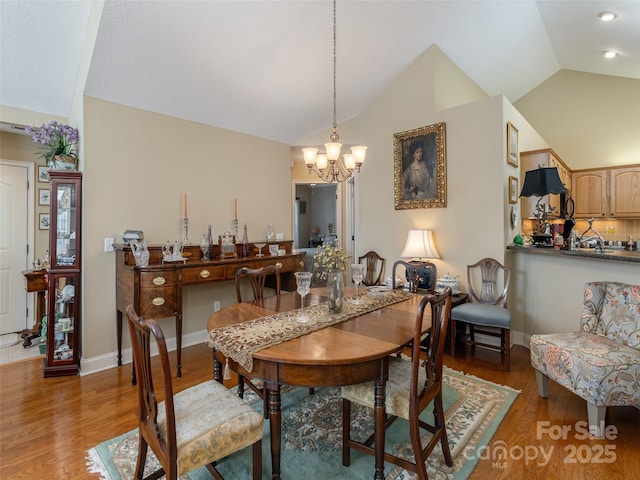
(63, 286)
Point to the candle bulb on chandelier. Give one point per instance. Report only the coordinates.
(235, 208)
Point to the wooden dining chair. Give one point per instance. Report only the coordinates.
(413, 384)
(193, 428)
(374, 268)
(420, 275)
(488, 283)
(257, 278)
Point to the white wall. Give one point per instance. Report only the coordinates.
(547, 291)
(138, 165)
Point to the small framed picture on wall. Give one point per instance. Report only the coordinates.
(513, 155)
(44, 221)
(513, 189)
(43, 174)
(43, 196)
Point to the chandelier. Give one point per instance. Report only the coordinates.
(328, 165)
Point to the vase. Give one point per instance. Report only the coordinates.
(63, 162)
(335, 291)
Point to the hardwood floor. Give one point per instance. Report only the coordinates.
(47, 425)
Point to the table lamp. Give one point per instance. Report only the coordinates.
(540, 182)
(419, 247)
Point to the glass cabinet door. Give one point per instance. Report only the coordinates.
(62, 324)
(64, 223)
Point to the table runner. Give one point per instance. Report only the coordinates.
(242, 340)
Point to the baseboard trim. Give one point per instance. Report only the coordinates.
(110, 360)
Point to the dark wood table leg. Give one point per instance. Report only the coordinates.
(379, 419)
(276, 428)
(217, 367)
(119, 339)
(179, 341)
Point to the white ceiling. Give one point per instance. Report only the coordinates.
(264, 67)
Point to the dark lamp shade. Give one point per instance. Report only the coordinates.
(542, 181)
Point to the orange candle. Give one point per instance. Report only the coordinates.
(235, 208)
(185, 206)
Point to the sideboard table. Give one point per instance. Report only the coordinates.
(155, 291)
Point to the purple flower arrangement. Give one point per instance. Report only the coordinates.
(56, 139)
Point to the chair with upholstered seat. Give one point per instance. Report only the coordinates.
(413, 384)
(193, 428)
(488, 283)
(374, 268)
(420, 275)
(601, 362)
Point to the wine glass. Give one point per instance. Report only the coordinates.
(303, 280)
(260, 246)
(357, 273)
(204, 246)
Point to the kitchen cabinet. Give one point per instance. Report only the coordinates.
(542, 158)
(625, 192)
(63, 280)
(607, 193)
(590, 193)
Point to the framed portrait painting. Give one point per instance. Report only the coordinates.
(420, 168)
(513, 155)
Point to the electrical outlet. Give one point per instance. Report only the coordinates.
(216, 305)
(611, 229)
(108, 244)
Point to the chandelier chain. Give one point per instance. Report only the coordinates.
(335, 125)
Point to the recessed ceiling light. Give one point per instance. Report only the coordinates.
(610, 54)
(606, 16)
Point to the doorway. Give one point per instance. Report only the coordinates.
(316, 213)
(16, 241)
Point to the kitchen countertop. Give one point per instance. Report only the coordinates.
(613, 255)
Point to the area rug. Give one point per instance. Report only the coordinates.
(312, 432)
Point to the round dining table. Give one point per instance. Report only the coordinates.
(354, 351)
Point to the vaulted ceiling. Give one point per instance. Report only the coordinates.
(265, 67)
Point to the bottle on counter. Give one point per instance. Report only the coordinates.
(210, 242)
(573, 241)
(245, 242)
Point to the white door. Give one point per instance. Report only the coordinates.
(14, 235)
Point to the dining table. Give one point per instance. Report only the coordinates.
(328, 350)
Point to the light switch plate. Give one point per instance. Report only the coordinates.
(108, 244)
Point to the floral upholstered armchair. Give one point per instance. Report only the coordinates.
(601, 362)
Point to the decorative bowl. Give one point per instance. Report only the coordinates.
(378, 291)
(448, 281)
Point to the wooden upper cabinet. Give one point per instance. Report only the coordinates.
(589, 192)
(542, 158)
(625, 192)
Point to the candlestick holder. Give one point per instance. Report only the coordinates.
(235, 227)
(185, 222)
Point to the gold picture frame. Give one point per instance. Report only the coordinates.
(513, 154)
(513, 189)
(420, 177)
